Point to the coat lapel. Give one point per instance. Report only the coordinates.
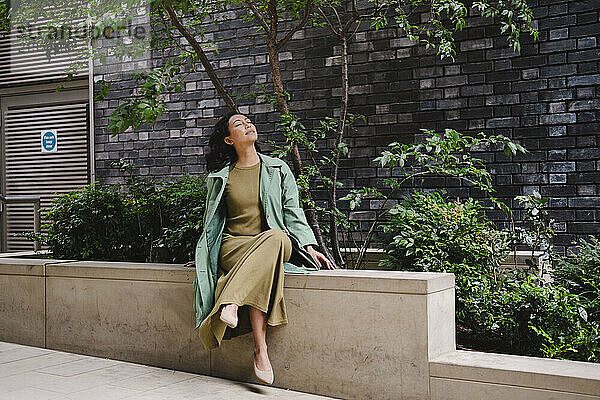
(266, 176)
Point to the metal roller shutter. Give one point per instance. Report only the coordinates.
(31, 172)
(22, 63)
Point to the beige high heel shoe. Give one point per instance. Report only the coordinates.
(228, 317)
(263, 376)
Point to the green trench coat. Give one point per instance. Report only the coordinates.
(279, 198)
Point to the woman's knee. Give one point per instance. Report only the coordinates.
(284, 239)
(280, 234)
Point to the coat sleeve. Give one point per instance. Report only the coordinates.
(209, 183)
(293, 215)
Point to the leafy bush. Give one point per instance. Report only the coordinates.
(580, 274)
(93, 223)
(142, 221)
(182, 208)
(427, 233)
(504, 311)
(523, 317)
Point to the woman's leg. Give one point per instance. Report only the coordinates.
(258, 320)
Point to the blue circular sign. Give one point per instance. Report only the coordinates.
(49, 141)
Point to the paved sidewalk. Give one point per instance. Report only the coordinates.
(32, 373)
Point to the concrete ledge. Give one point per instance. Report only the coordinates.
(454, 389)
(469, 370)
(157, 272)
(351, 334)
(25, 266)
(372, 281)
(22, 301)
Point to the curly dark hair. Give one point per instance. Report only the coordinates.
(220, 153)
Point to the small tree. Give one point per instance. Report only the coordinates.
(448, 154)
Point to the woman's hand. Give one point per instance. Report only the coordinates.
(319, 258)
(191, 264)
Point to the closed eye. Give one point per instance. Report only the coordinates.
(239, 123)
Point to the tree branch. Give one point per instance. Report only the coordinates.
(297, 27)
(329, 23)
(201, 56)
(258, 16)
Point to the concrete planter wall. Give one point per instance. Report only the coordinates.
(352, 334)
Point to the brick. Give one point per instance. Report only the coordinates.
(579, 105)
(502, 122)
(581, 178)
(558, 45)
(558, 70)
(582, 166)
(451, 81)
(502, 76)
(527, 86)
(475, 79)
(502, 53)
(557, 155)
(531, 73)
(584, 55)
(557, 22)
(524, 109)
(585, 80)
(530, 62)
(585, 190)
(584, 30)
(584, 202)
(554, 83)
(558, 130)
(557, 142)
(554, 119)
(563, 166)
(562, 94)
(502, 99)
(586, 43)
(529, 179)
(557, 58)
(561, 33)
(451, 104)
(558, 178)
(558, 9)
(479, 44)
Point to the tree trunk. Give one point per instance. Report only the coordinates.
(333, 228)
(296, 160)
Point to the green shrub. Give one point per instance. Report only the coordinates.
(427, 233)
(524, 317)
(142, 221)
(580, 274)
(92, 223)
(503, 311)
(182, 203)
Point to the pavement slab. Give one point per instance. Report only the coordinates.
(33, 373)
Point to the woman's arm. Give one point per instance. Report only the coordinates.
(295, 219)
(293, 215)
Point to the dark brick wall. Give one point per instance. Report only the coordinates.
(546, 97)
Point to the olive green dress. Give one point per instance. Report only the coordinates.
(251, 261)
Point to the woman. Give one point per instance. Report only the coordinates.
(253, 226)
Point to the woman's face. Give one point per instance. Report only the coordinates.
(241, 131)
